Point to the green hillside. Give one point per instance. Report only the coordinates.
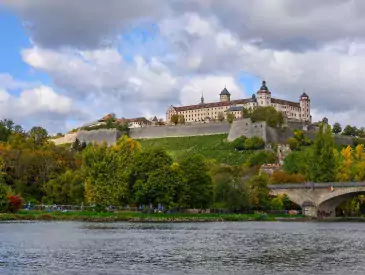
(212, 147)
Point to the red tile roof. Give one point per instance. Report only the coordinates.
(230, 103)
(211, 105)
(285, 102)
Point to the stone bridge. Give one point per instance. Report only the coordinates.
(319, 199)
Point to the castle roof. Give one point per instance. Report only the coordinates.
(285, 102)
(304, 95)
(155, 119)
(225, 92)
(211, 105)
(264, 88)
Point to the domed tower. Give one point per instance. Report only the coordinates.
(305, 107)
(225, 95)
(264, 96)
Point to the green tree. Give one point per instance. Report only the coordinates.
(350, 131)
(268, 114)
(67, 188)
(277, 204)
(38, 134)
(336, 128)
(106, 181)
(322, 166)
(293, 143)
(198, 180)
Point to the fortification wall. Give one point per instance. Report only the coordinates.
(245, 127)
(99, 136)
(68, 138)
(180, 130)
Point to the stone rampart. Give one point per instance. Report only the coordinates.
(68, 138)
(110, 136)
(180, 130)
(245, 127)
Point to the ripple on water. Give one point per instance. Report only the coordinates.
(206, 248)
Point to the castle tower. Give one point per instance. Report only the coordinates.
(225, 95)
(305, 108)
(264, 96)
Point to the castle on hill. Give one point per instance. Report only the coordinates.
(296, 111)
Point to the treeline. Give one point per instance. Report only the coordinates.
(348, 130)
(127, 174)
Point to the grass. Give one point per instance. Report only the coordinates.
(136, 217)
(211, 146)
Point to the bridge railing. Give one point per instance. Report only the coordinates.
(309, 185)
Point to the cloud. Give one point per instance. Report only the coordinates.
(8, 82)
(295, 45)
(84, 24)
(40, 106)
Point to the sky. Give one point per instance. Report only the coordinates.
(64, 63)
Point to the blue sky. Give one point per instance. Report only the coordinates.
(81, 61)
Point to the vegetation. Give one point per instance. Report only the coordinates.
(272, 117)
(111, 123)
(211, 147)
(129, 173)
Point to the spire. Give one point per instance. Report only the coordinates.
(202, 99)
(264, 87)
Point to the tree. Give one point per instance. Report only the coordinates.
(350, 131)
(6, 129)
(199, 183)
(230, 118)
(67, 188)
(344, 172)
(258, 192)
(175, 119)
(268, 114)
(336, 128)
(322, 166)
(106, 177)
(293, 143)
(221, 116)
(38, 134)
(181, 119)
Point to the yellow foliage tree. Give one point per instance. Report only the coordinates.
(344, 169)
(359, 167)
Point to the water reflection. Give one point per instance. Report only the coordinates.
(207, 248)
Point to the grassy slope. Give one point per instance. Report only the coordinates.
(212, 147)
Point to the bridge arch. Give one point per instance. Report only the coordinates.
(319, 199)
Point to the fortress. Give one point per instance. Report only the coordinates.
(295, 111)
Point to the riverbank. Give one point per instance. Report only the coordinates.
(140, 217)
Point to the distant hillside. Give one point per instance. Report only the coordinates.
(210, 146)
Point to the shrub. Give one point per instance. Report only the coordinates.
(277, 204)
(293, 143)
(260, 158)
(282, 177)
(239, 143)
(258, 143)
(14, 203)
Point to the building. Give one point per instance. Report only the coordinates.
(297, 111)
(132, 122)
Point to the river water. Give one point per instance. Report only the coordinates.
(186, 248)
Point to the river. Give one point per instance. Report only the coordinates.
(185, 248)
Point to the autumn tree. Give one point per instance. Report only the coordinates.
(174, 119)
(221, 116)
(230, 118)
